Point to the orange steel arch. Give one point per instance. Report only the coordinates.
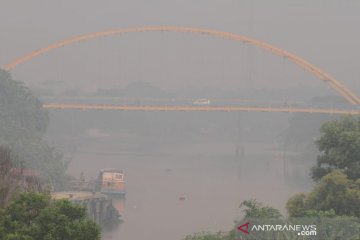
(327, 78)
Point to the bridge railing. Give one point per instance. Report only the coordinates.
(80, 185)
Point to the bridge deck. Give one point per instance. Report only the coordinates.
(200, 108)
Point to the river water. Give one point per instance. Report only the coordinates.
(180, 189)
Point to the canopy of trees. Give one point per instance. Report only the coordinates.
(34, 216)
(340, 148)
(335, 194)
(255, 209)
(337, 172)
(23, 123)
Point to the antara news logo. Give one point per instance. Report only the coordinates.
(301, 230)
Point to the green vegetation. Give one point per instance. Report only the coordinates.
(335, 194)
(340, 148)
(23, 123)
(34, 216)
(24, 214)
(254, 209)
(333, 205)
(337, 172)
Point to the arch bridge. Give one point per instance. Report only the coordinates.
(341, 89)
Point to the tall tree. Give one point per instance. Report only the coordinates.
(23, 123)
(339, 146)
(334, 195)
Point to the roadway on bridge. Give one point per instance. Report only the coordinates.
(207, 108)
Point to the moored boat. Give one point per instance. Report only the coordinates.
(111, 181)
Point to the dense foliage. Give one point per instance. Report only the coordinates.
(337, 172)
(34, 216)
(340, 148)
(255, 209)
(335, 194)
(23, 123)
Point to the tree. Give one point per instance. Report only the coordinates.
(339, 146)
(23, 122)
(335, 194)
(296, 206)
(21, 113)
(256, 213)
(335, 191)
(33, 216)
(255, 209)
(12, 178)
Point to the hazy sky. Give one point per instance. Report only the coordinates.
(325, 32)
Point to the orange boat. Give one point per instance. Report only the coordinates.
(111, 181)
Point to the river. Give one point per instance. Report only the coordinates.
(182, 189)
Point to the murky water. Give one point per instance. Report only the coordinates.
(184, 172)
(181, 189)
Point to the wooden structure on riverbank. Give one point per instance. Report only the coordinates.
(99, 206)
